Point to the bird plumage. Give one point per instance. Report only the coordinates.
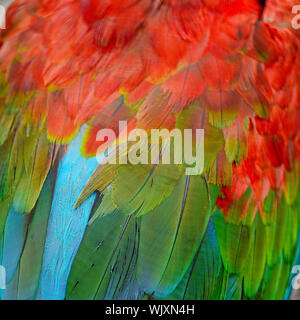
(72, 228)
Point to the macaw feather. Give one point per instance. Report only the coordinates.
(76, 225)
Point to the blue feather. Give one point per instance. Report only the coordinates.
(14, 236)
(66, 225)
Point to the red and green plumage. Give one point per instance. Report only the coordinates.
(231, 68)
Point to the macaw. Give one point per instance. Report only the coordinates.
(75, 227)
